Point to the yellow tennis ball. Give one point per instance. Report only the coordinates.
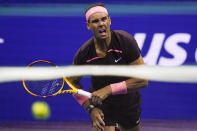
(40, 110)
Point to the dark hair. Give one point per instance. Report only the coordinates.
(93, 5)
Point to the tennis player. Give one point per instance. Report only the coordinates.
(114, 99)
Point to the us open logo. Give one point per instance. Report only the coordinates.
(170, 44)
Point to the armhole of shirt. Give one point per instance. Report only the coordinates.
(131, 51)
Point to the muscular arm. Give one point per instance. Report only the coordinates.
(136, 83)
(132, 84)
(75, 81)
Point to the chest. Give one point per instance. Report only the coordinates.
(110, 57)
(100, 53)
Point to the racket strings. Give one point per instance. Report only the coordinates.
(45, 87)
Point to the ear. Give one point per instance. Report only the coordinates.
(88, 25)
(109, 20)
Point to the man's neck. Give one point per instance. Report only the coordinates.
(102, 44)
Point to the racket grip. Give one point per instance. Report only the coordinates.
(84, 93)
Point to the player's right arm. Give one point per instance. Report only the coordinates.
(96, 114)
(75, 81)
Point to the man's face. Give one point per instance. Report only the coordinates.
(99, 24)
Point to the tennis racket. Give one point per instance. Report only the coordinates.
(48, 88)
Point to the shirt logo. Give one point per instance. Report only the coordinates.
(116, 60)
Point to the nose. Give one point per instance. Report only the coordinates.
(101, 23)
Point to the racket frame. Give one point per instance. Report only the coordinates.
(72, 90)
(44, 61)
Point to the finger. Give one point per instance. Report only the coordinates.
(96, 100)
(93, 99)
(95, 125)
(101, 122)
(101, 114)
(100, 118)
(99, 126)
(99, 101)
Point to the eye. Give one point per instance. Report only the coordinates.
(104, 18)
(95, 21)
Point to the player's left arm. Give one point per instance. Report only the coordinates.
(131, 85)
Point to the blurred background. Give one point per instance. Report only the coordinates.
(54, 30)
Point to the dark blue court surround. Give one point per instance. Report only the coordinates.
(25, 39)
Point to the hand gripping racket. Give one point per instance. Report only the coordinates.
(48, 88)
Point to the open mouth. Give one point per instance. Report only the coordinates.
(102, 32)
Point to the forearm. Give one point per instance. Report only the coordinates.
(134, 84)
(122, 87)
(82, 100)
(125, 87)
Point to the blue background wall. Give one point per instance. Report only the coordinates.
(25, 38)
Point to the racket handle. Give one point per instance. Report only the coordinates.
(84, 93)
